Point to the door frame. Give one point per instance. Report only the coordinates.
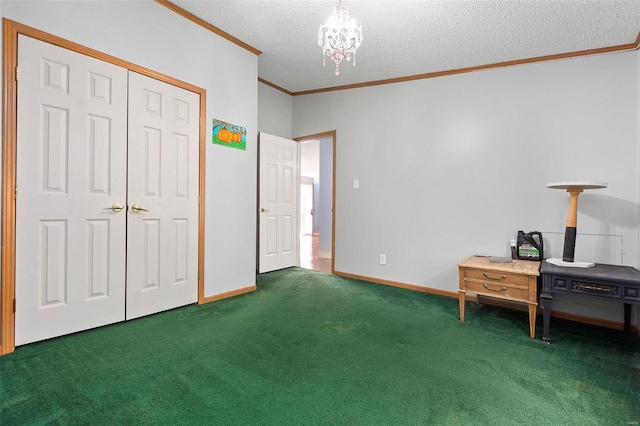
(11, 31)
(333, 135)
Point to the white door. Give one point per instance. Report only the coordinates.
(278, 203)
(162, 232)
(71, 168)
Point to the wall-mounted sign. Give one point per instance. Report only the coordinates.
(229, 135)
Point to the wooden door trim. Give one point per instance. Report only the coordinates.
(332, 134)
(11, 31)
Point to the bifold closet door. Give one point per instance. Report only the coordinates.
(71, 183)
(107, 179)
(162, 230)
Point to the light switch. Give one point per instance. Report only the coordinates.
(356, 183)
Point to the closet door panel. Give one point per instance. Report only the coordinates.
(162, 239)
(71, 171)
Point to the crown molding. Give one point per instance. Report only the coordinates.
(190, 16)
(623, 47)
(268, 83)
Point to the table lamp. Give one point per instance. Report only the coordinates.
(574, 189)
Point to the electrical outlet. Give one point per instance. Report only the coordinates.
(356, 183)
(383, 259)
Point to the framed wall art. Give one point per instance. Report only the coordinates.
(230, 135)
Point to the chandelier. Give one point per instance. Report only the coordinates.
(339, 37)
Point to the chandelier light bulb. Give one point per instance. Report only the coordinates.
(339, 37)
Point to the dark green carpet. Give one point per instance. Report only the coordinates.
(311, 348)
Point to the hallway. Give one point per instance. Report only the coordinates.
(309, 254)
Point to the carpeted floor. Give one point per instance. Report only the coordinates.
(309, 348)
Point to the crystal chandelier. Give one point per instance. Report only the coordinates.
(339, 37)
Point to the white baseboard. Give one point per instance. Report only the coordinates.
(324, 254)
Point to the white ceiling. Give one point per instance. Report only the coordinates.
(405, 38)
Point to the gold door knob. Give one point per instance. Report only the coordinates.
(137, 209)
(115, 207)
(262, 209)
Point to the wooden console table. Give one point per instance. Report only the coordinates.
(515, 281)
(611, 282)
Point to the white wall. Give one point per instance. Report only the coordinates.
(454, 166)
(150, 35)
(274, 111)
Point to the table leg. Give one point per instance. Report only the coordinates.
(532, 320)
(461, 303)
(627, 317)
(545, 299)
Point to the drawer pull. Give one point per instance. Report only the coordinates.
(494, 278)
(495, 289)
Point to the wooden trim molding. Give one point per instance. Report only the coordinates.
(9, 129)
(630, 46)
(490, 301)
(11, 31)
(327, 134)
(21, 29)
(268, 83)
(193, 18)
(228, 294)
(398, 284)
(202, 165)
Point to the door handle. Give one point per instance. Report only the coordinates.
(116, 207)
(262, 209)
(137, 209)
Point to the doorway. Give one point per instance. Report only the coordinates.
(316, 178)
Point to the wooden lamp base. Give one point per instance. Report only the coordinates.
(568, 253)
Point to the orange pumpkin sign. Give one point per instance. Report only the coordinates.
(229, 135)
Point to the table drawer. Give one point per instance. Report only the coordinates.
(495, 289)
(602, 289)
(497, 277)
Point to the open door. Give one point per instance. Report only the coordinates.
(277, 203)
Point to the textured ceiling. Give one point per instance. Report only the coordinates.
(405, 38)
